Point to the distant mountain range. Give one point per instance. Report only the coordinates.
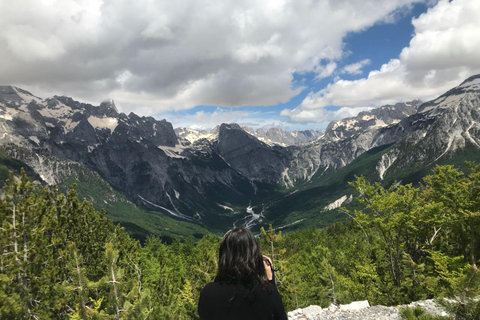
(150, 173)
(271, 136)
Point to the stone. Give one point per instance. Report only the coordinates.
(356, 305)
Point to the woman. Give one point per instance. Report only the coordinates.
(244, 287)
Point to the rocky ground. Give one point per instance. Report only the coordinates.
(360, 310)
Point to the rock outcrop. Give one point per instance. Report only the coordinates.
(360, 310)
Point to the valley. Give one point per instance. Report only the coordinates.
(155, 180)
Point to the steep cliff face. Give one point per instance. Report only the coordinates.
(249, 156)
(370, 120)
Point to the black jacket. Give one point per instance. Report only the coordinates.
(226, 301)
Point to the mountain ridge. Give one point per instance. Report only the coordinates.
(156, 166)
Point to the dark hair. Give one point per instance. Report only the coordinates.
(240, 261)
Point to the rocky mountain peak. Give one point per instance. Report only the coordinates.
(453, 96)
(279, 136)
(250, 156)
(14, 97)
(372, 119)
(108, 107)
(472, 83)
(229, 126)
(232, 135)
(271, 136)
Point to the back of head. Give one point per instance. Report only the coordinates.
(240, 259)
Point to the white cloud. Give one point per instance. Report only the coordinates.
(356, 68)
(325, 71)
(207, 120)
(443, 52)
(152, 56)
(320, 115)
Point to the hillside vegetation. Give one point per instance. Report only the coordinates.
(62, 259)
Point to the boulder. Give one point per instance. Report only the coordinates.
(356, 305)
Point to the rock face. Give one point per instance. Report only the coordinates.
(369, 120)
(422, 134)
(249, 156)
(441, 127)
(360, 310)
(347, 139)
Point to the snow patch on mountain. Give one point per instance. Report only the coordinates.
(34, 139)
(7, 115)
(60, 111)
(25, 96)
(173, 152)
(272, 136)
(473, 83)
(475, 125)
(103, 123)
(193, 135)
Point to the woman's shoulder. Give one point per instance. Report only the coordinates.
(216, 287)
(209, 287)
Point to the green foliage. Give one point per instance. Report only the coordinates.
(418, 313)
(465, 304)
(62, 259)
(463, 310)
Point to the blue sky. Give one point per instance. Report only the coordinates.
(298, 64)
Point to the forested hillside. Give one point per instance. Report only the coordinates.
(61, 259)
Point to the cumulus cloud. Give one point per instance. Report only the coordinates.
(153, 56)
(325, 71)
(442, 53)
(356, 68)
(320, 115)
(207, 120)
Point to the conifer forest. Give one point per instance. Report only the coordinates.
(62, 259)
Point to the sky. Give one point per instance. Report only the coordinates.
(297, 64)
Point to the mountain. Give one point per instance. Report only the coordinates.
(442, 131)
(138, 156)
(271, 136)
(189, 136)
(232, 175)
(441, 127)
(347, 139)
